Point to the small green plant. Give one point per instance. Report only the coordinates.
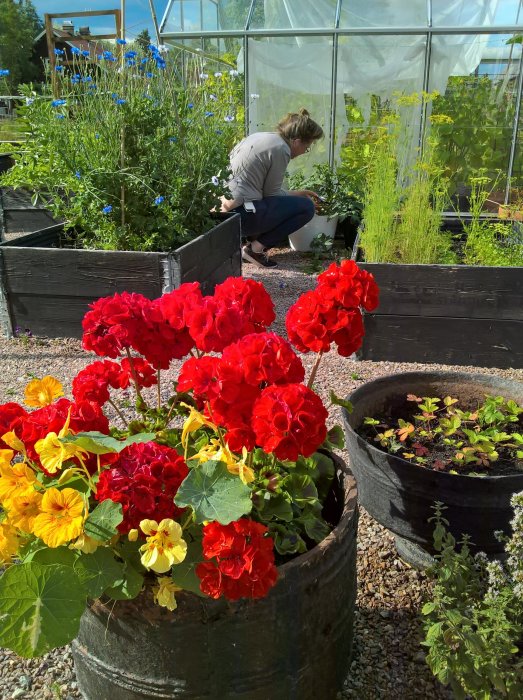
(440, 435)
(474, 621)
(323, 251)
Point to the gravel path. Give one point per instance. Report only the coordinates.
(388, 662)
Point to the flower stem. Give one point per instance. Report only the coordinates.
(159, 395)
(314, 370)
(120, 414)
(135, 378)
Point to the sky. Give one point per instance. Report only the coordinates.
(137, 14)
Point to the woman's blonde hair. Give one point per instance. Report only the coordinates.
(299, 125)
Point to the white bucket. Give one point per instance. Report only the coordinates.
(301, 239)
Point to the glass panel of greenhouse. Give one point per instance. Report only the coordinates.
(442, 72)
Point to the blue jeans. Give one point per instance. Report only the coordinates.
(275, 218)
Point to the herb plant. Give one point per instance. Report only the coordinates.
(334, 186)
(474, 621)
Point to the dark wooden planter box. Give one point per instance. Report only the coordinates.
(47, 290)
(448, 314)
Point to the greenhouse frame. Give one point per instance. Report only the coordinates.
(456, 63)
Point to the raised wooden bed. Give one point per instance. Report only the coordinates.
(46, 289)
(448, 314)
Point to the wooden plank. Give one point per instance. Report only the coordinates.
(80, 273)
(50, 316)
(453, 341)
(462, 291)
(26, 220)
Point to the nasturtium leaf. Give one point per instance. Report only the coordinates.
(100, 444)
(58, 555)
(98, 571)
(40, 607)
(214, 494)
(184, 574)
(128, 587)
(102, 522)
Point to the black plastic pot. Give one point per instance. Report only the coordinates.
(401, 495)
(295, 644)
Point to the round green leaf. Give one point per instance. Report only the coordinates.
(40, 607)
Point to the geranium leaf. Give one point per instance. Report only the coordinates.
(214, 494)
(184, 574)
(40, 607)
(276, 507)
(100, 444)
(98, 571)
(101, 523)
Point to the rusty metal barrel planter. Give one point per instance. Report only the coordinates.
(401, 495)
(295, 644)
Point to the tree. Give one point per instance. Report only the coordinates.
(143, 40)
(19, 26)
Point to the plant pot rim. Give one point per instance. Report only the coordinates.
(402, 464)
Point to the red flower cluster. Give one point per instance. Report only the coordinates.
(145, 480)
(9, 412)
(331, 313)
(92, 383)
(244, 560)
(85, 416)
(229, 386)
(170, 326)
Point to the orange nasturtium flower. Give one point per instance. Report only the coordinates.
(62, 517)
(164, 592)
(22, 510)
(164, 545)
(16, 480)
(42, 392)
(53, 453)
(9, 542)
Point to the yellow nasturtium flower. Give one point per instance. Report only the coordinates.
(14, 442)
(62, 517)
(9, 542)
(85, 544)
(216, 451)
(42, 392)
(23, 510)
(164, 545)
(53, 453)
(194, 421)
(5, 457)
(164, 592)
(16, 480)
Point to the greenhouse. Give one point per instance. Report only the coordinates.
(349, 61)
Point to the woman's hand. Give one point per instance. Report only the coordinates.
(228, 204)
(308, 193)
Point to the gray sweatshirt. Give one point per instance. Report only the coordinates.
(258, 165)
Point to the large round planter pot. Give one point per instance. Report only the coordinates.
(301, 239)
(293, 644)
(401, 495)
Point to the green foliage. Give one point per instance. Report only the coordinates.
(438, 434)
(334, 186)
(102, 522)
(19, 26)
(474, 620)
(133, 158)
(214, 494)
(40, 607)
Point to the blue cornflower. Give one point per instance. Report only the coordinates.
(75, 80)
(4, 71)
(86, 79)
(228, 118)
(85, 54)
(144, 60)
(159, 200)
(172, 139)
(58, 68)
(114, 95)
(122, 42)
(218, 131)
(130, 54)
(119, 101)
(97, 136)
(57, 103)
(107, 209)
(131, 62)
(190, 105)
(58, 52)
(152, 47)
(107, 55)
(209, 114)
(215, 180)
(78, 174)
(75, 51)
(59, 116)
(149, 75)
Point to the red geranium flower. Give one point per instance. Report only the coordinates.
(251, 298)
(349, 286)
(145, 480)
(244, 560)
(289, 421)
(92, 383)
(9, 412)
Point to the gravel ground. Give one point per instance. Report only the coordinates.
(388, 662)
